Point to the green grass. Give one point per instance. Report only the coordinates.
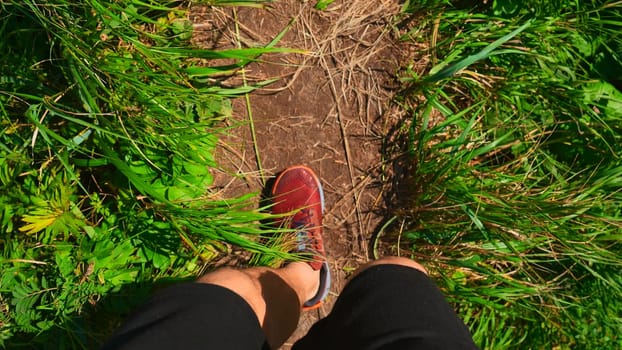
(514, 176)
(109, 122)
(512, 197)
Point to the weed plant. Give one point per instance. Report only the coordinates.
(514, 184)
(109, 120)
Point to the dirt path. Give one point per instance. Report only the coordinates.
(327, 110)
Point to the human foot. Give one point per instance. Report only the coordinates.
(298, 191)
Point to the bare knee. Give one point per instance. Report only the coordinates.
(393, 260)
(233, 279)
(242, 282)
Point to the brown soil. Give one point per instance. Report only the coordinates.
(327, 110)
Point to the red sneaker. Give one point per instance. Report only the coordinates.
(298, 191)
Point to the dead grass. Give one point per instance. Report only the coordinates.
(336, 95)
(355, 46)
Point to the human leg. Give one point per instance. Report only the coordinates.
(256, 308)
(275, 295)
(389, 304)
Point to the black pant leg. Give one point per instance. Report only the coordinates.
(389, 307)
(191, 316)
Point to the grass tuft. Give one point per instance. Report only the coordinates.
(515, 159)
(109, 122)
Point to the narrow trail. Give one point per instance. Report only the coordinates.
(327, 110)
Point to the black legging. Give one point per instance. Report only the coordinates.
(384, 307)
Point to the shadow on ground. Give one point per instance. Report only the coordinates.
(96, 323)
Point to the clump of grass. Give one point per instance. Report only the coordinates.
(513, 192)
(109, 121)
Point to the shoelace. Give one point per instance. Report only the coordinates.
(304, 238)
